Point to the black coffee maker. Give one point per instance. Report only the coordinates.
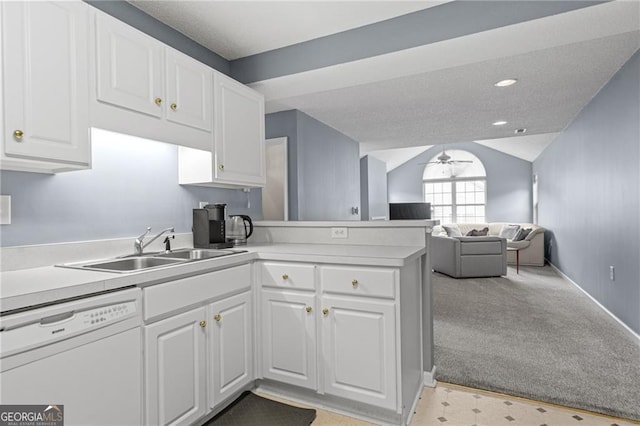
(209, 227)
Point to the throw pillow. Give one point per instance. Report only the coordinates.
(475, 233)
(452, 231)
(522, 234)
(509, 231)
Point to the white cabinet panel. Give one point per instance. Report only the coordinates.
(129, 67)
(230, 346)
(189, 91)
(289, 338)
(358, 338)
(45, 83)
(175, 368)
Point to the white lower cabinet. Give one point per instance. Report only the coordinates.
(175, 368)
(354, 347)
(359, 350)
(230, 346)
(198, 342)
(289, 337)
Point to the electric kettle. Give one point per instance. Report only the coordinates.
(237, 232)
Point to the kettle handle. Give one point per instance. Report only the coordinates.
(248, 219)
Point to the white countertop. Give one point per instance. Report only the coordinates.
(28, 287)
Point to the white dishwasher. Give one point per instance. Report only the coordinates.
(85, 355)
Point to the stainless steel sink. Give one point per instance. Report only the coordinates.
(195, 254)
(150, 260)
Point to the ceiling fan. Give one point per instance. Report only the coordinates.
(445, 159)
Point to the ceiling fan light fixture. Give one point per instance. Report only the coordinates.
(506, 83)
(499, 123)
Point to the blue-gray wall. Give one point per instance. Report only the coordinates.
(373, 188)
(133, 16)
(589, 191)
(509, 182)
(324, 168)
(133, 184)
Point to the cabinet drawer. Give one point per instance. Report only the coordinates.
(288, 275)
(374, 282)
(174, 295)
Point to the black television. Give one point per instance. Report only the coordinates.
(409, 211)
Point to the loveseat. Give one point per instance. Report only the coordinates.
(531, 247)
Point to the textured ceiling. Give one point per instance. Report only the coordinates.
(432, 94)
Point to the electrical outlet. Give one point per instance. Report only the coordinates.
(339, 232)
(612, 273)
(5, 209)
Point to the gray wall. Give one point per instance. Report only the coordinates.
(589, 191)
(373, 188)
(509, 182)
(324, 169)
(133, 184)
(156, 29)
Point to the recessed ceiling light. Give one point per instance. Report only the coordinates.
(505, 83)
(499, 123)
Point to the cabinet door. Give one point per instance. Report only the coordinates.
(289, 338)
(358, 338)
(128, 67)
(230, 346)
(175, 376)
(239, 133)
(45, 78)
(189, 91)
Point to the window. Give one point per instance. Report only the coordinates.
(457, 192)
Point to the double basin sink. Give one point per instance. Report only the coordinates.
(136, 263)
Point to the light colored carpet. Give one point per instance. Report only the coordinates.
(536, 336)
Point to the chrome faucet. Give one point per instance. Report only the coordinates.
(139, 245)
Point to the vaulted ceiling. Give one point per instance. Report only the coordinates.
(437, 87)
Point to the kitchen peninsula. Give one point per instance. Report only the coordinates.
(332, 313)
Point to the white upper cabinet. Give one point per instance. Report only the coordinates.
(129, 67)
(147, 89)
(237, 156)
(239, 133)
(189, 91)
(44, 76)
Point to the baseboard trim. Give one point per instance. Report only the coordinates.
(635, 335)
(430, 378)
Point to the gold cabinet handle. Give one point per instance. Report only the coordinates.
(221, 166)
(309, 309)
(203, 324)
(174, 107)
(217, 317)
(18, 134)
(158, 101)
(325, 311)
(285, 277)
(354, 283)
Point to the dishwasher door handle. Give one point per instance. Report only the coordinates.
(57, 318)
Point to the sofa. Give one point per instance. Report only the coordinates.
(468, 257)
(531, 251)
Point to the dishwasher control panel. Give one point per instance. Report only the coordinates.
(48, 326)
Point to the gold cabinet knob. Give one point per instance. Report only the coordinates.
(217, 317)
(325, 311)
(174, 107)
(18, 134)
(221, 166)
(285, 277)
(203, 324)
(354, 283)
(309, 309)
(158, 101)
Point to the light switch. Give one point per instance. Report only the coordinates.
(5, 209)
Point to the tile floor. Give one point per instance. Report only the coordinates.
(452, 405)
